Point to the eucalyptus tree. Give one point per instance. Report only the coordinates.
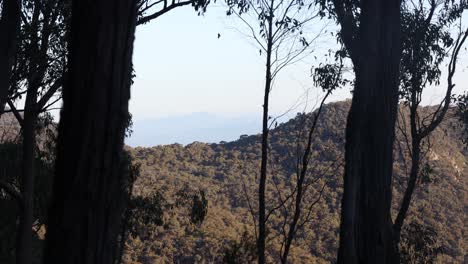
(370, 31)
(432, 34)
(297, 206)
(91, 171)
(9, 29)
(37, 73)
(276, 28)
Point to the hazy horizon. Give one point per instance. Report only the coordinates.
(221, 77)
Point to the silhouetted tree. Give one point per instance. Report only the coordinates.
(329, 77)
(90, 176)
(370, 30)
(38, 73)
(11, 153)
(427, 41)
(9, 29)
(277, 31)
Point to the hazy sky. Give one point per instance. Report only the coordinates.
(182, 69)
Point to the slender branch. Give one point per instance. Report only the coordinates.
(439, 114)
(15, 112)
(155, 15)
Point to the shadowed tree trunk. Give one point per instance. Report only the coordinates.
(374, 45)
(43, 17)
(9, 28)
(265, 131)
(89, 192)
(25, 233)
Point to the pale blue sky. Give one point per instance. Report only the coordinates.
(185, 74)
(182, 67)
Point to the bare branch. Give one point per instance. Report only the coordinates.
(439, 114)
(166, 9)
(15, 112)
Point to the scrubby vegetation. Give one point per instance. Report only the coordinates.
(193, 203)
(172, 175)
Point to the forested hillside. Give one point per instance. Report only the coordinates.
(167, 225)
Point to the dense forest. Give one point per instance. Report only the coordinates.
(171, 180)
(377, 178)
(172, 175)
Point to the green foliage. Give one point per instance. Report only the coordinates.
(427, 40)
(243, 251)
(145, 212)
(42, 53)
(426, 173)
(227, 174)
(168, 178)
(419, 244)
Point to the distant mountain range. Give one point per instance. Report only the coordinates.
(185, 129)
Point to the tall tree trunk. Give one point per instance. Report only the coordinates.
(366, 224)
(9, 28)
(25, 233)
(265, 131)
(89, 192)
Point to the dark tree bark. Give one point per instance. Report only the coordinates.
(264, 158)
(9, 28)
(375, 48)
(25, 233)
(36, 71)
(89, 190)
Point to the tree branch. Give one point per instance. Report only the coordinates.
(439, 114)
(155, 15)
(50, 92)
(15, 112)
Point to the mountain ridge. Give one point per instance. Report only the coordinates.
(227, 174)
